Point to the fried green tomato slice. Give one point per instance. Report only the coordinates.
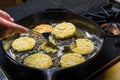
(38, 60)
(83, 46)
(49, 48)
(71, 59)
(23, 44)
(64, 30)
(43, 28)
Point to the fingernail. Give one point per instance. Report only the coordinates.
(12, 19)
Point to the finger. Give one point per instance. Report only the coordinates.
(6, 16)
(17, 28)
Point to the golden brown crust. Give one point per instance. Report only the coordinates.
(23, 44)
(83, 46)
(38, 60)
(64, 30)
(48, 47)
(43, 28)
(71, 59)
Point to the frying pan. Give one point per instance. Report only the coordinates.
(53, 16)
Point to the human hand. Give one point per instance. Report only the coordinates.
(8, 27)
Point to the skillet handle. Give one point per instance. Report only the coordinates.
(117, 44)
(49, 74)
(57, 10)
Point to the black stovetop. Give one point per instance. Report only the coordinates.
(108, 53)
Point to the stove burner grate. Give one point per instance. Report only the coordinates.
(108, 18)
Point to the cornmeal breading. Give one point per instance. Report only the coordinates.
(64, 30)
(23, 44)
(83, 46)
(71, 59)
(38, 60)
(48, 47)
(43, 28)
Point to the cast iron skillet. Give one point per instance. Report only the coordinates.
(56, 16)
